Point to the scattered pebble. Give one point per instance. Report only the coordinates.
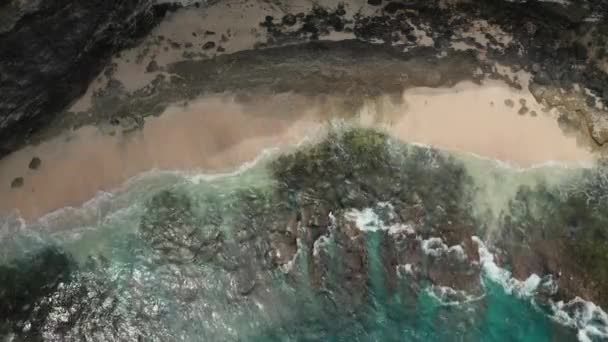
(523, 110)
(17, 182)
(35, 163)
(509, 103)
(208, 45)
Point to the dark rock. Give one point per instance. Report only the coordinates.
(374, 2)
(393, 7)
(523, 110)
(39, 79)
(208, 45)
(170, 227)
(509, 103)
(152, 66)
(340, 10)
(220, 49)
(35, 163)
(25, 282)
(289, 20)
(17, 182)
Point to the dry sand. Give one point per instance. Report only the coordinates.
(217, 133)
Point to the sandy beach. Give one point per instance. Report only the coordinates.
(219, 133)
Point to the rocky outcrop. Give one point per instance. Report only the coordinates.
(51, 50)
(560, 232)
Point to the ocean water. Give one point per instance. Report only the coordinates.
(280, 251)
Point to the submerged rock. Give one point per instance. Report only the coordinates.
(24, 284)
(170, 227)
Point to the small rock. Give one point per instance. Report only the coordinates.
(188, 45)
(194, 34)
(35, 163)
(17, 182)
(208, 45)
(152, 66)
(340, 10)
(509, 103)
(209, 33)
(374, 2)
(289, 20)
(523, 110)
(533, 113)
(220, 49)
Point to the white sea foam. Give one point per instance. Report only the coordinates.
(448, 296)
(206, 177)
(319, 244)
(403, 270)
(286, 268)
(458, 252)
(492, 271)
(366, 219)
(401, 228)
(434, 247)
(589, 319)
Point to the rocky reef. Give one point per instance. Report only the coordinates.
(557, 231)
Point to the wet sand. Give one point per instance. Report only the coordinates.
(218, 133)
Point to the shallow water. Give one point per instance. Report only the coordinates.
(129, 255)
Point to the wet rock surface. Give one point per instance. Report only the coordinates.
(561, 232)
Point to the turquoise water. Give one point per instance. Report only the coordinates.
(267, 256)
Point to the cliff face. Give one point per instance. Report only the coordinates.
(51, 50)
